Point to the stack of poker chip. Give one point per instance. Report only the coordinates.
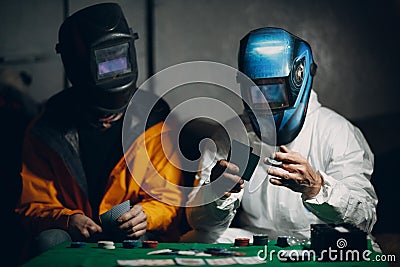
(242, 242)
(130, 243)
(260, 240)
(106, 244)
(282, 241)
(149, 244)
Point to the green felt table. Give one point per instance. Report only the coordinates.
(92, 255)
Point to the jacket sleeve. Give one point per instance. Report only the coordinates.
(347, 194)
(208, 215)
(39, 205)
(156, 168)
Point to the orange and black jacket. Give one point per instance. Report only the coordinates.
(54, 185)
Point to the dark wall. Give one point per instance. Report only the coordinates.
(354, 44)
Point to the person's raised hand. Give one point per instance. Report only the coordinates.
(81, 227)
(133, 222)
(225, 180)
(295, 173)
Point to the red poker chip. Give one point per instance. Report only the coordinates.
(242, 242)
(149, 244)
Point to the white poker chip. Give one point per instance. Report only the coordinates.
(101, 244)
(274, 162)
(109, 247)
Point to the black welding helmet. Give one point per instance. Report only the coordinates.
(98, 52)
(281, 66)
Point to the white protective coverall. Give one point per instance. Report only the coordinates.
(333, 147)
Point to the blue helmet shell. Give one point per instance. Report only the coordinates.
(271, 53)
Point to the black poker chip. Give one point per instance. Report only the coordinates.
(260, 240)
(130, 243)
(282, 241)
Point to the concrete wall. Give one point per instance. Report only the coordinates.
(28, 35)
(352, 42)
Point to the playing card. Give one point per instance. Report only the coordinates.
(138, 262)
(106, 220)
(248, 260)
(161, 251)
(239, 155)
(160, 262)
(145, 262)
(109, 218)
(120, 209)
(221, 261)
(242, 156)
(189, 261)
(186, 252)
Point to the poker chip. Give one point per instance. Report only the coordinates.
(282, 241)
(109, 247)
(78, 244)
(215, 249)
(273, 162)
(149, 244)
(260, 240)
(242, 242)
(102, 244)
(130, 243)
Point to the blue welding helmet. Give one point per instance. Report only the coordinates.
(282, 69)
(98, 52)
